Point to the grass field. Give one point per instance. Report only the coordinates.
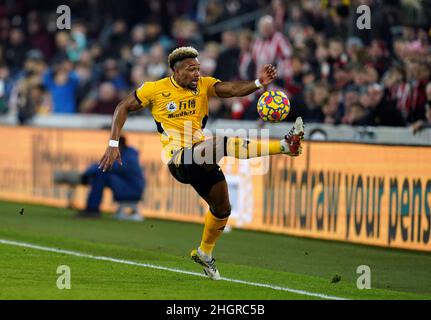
(133, 254)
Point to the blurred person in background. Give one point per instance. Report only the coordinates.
(336, 57)
(62, 83)
(138, 39)
(28, 96)
(379, 56)
(115, 37)
(271, 47)
(39, 37)
(351, 95)
(228, 59)
(137, 75)
(394, 81)
(186, 32)
(16, 50)
(246, 66)
(6, 86)
(218, 109)
(156, 67)
(279, 12)
(355, 50)
(412, 96)
(125, 180)
(35, 102)
(425, 123)
(380, 110)
(77, 41)
(356, 115)
(319, 96)
(209, 58)
(333, 109)
(105, 102)
(62, 39)
(86, 82)
(111, 73)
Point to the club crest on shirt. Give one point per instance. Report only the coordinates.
(171, 107)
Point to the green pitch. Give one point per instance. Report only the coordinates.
(283, 263)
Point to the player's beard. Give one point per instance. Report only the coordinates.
(193, 84)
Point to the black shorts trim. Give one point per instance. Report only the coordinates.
(201, 178)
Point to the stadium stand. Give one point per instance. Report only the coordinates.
(332, 72)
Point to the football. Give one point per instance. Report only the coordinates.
(273, 106)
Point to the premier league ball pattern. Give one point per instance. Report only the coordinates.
(273, 106)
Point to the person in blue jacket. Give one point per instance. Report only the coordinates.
(126, 181)
(62, 83)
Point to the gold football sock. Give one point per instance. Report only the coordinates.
(213, 228)
(245, 149)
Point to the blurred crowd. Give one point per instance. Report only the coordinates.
(332, 71)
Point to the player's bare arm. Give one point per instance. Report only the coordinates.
(230, 89)
(112, 154)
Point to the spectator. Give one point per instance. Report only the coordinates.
(40, 39)
(16, 50)
(356, 115)
(279, 12)
(62, 39)
(246, 65)
(157, 68)
(394, 81)
(115, 38)
(351, 95)
(112, 74)
(310, 43)
(228, 60)
(380, 110)
(413, 104)
(319, 96)
(35, 102)
(106, 101)
(426, 123)
(332, 108)
(62, 83)
(77, 41)
(336, 57)
(5, 88)
(208, 58)
(272, 47)
(186, 33)
(126, 181)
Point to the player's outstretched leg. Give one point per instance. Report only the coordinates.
(245, 149)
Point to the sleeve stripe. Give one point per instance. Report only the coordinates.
(204, 121)
(137, 98)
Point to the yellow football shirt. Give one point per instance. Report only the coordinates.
(180, 113)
